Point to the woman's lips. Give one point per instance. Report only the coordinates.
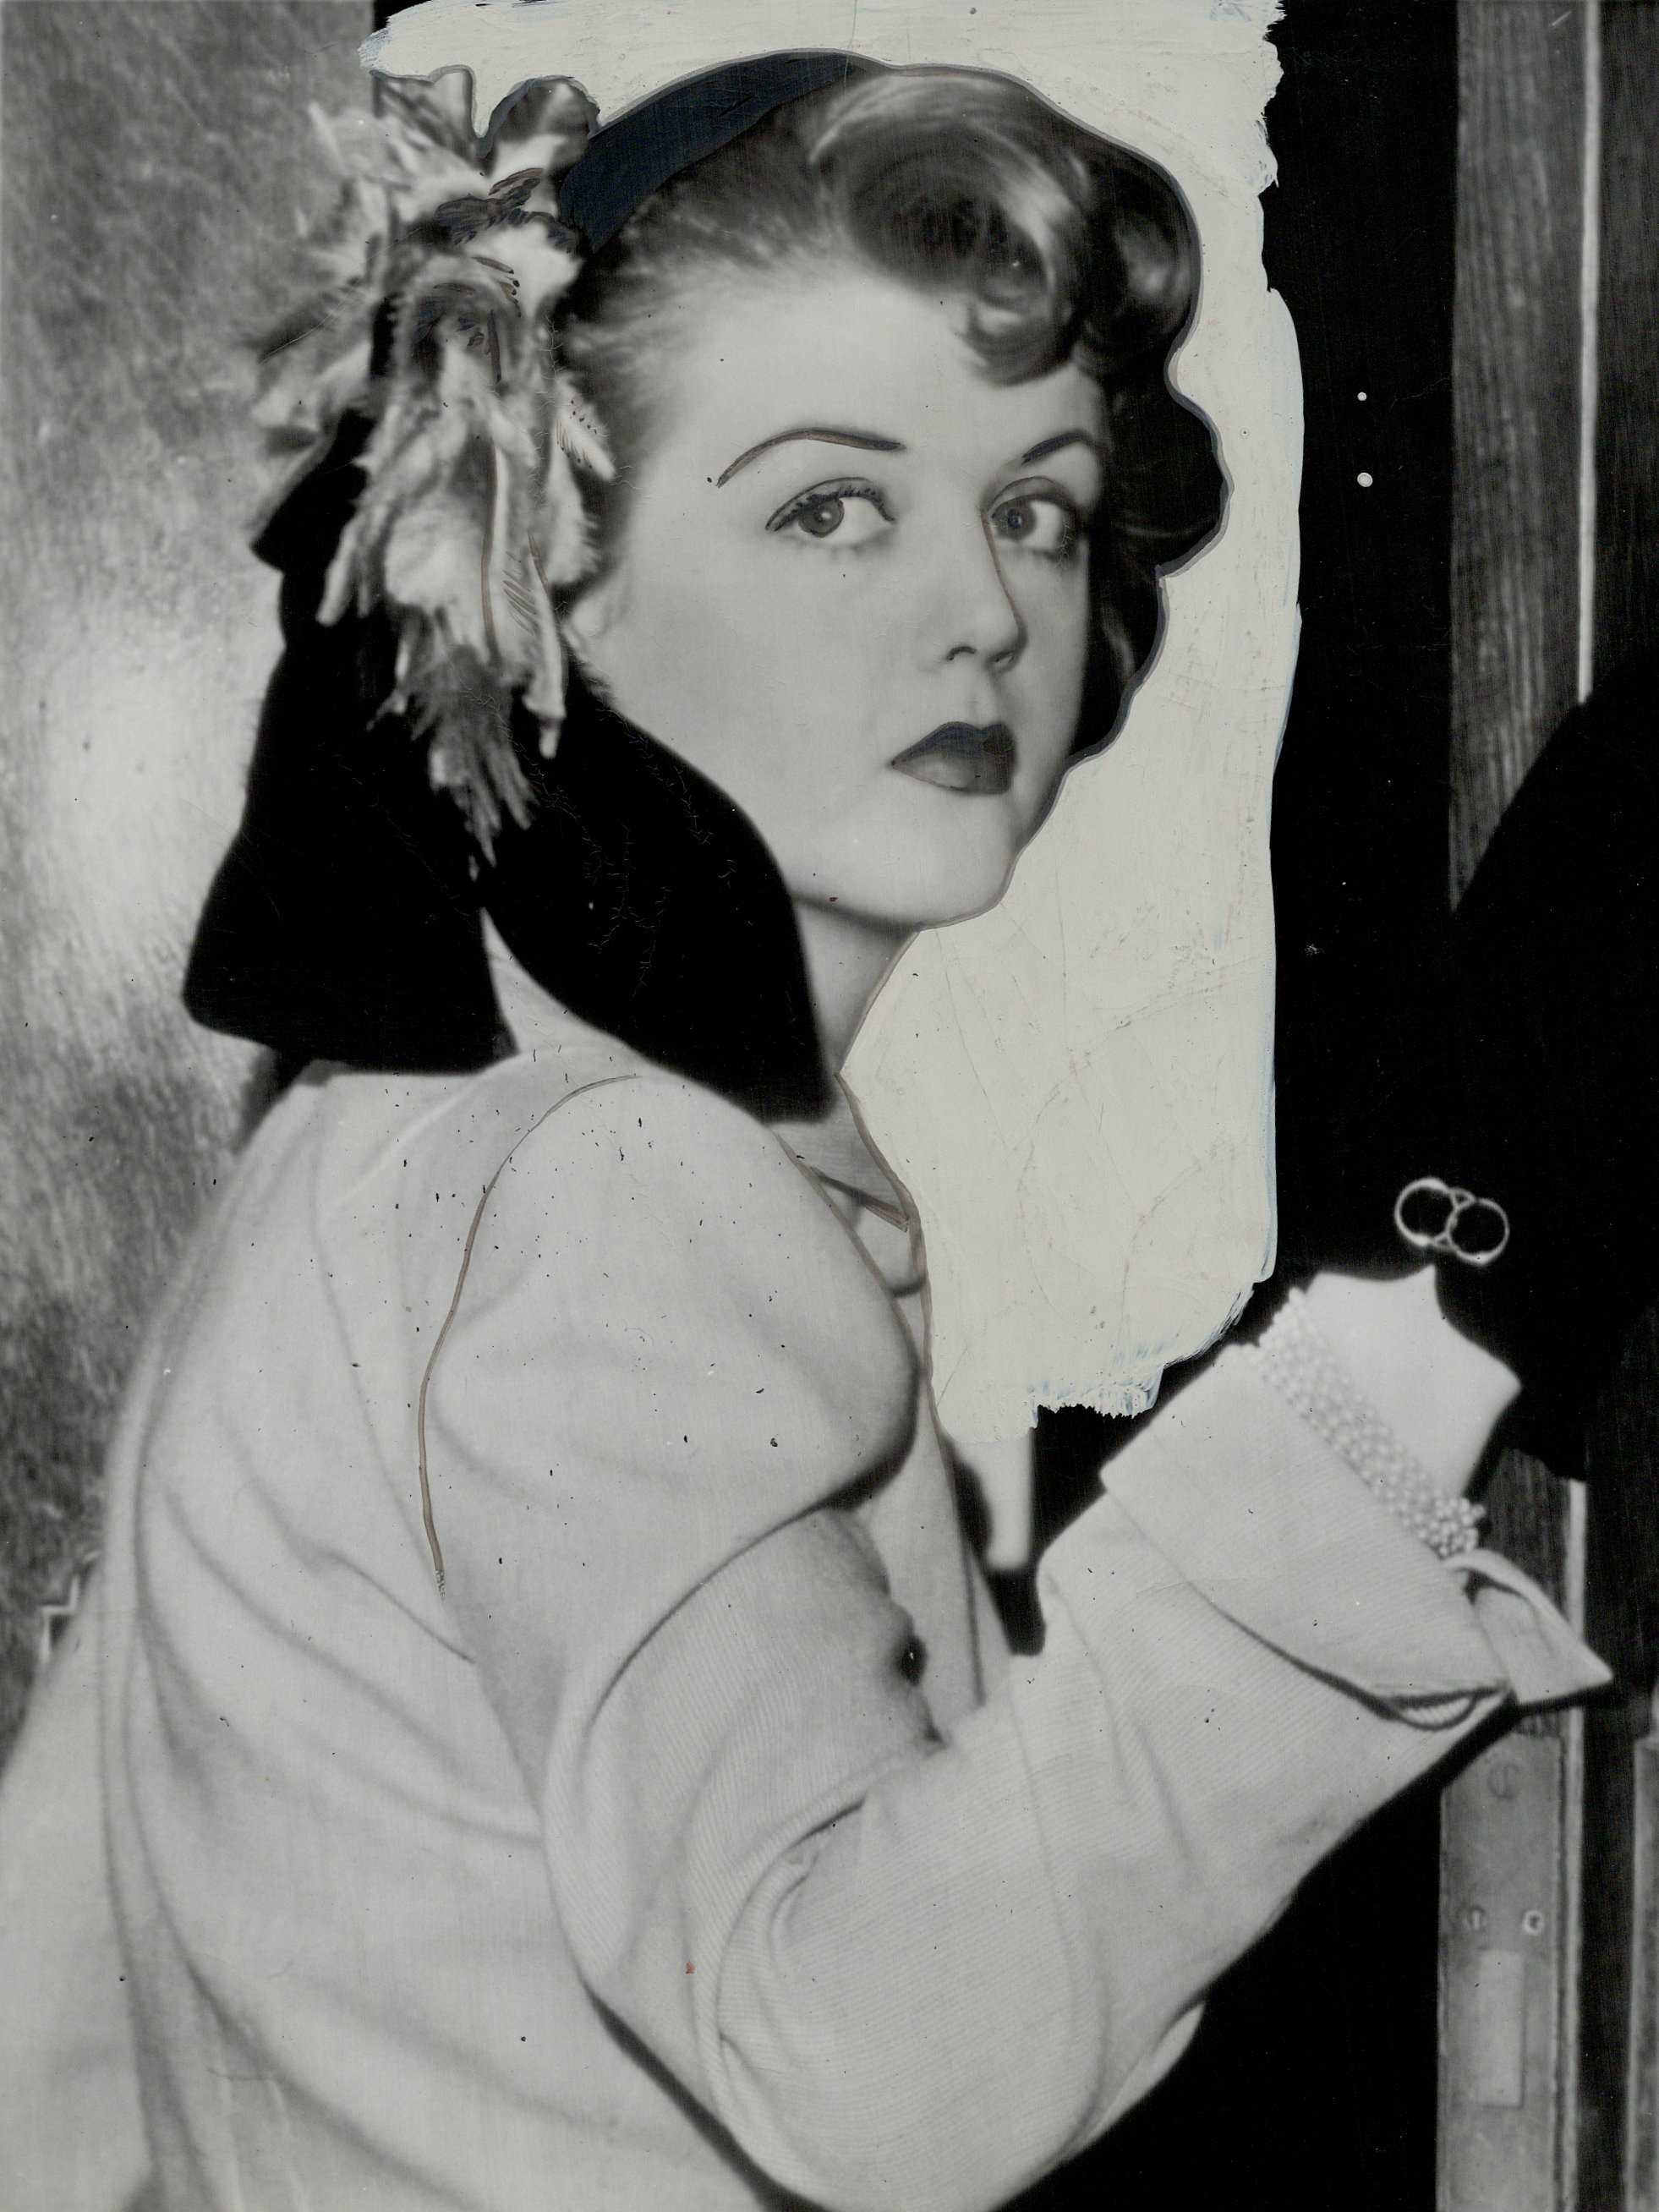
(958, 756)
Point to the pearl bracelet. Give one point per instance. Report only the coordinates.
(1306, 1373)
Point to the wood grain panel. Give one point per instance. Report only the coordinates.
(1621, 1903)
(1627, 397)
(1516, 655)
(1516, 391)
(1620, 2163)
(1515, 395)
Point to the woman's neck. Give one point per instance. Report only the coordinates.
(847, 958)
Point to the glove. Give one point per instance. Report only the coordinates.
(1521, 1150)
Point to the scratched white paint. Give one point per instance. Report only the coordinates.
(1077, 1085)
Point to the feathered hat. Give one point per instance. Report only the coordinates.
(431, 513)
(438, 273)
(431, 315)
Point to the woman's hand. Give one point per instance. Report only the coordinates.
(1440, 1393)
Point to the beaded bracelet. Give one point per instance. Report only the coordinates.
(1306, 1373)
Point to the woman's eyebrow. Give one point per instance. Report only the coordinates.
(1044, 447)
(868, 439)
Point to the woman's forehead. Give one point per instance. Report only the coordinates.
(884, 365)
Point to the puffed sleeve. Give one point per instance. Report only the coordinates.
(901, 1970)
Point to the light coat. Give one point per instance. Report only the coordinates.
(699, 1842)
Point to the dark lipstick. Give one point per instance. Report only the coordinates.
(959, 757)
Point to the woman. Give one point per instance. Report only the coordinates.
(557, 1745)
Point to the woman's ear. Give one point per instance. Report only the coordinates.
(586, 620)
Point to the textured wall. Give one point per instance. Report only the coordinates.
(152, 159)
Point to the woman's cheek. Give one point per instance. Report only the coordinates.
(796, 608)
(1056, 625)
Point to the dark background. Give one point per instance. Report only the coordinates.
(1312, 2082)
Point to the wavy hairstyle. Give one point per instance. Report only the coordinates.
(1059, 244)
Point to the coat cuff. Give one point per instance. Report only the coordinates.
(1258, 1512)
(1544, 1660)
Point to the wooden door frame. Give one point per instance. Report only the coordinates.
(1555, 582)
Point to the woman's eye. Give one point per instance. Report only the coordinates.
(848, 514)
(1037, 522)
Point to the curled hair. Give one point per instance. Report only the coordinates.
(1059, 244)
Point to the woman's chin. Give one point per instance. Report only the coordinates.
(912, 898)
(914, 867)
(966, 876)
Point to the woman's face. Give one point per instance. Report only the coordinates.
(851, 589)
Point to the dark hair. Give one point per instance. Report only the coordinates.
(1061, 244)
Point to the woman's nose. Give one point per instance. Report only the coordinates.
(976, 614)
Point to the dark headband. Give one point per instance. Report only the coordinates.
(623, 164)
